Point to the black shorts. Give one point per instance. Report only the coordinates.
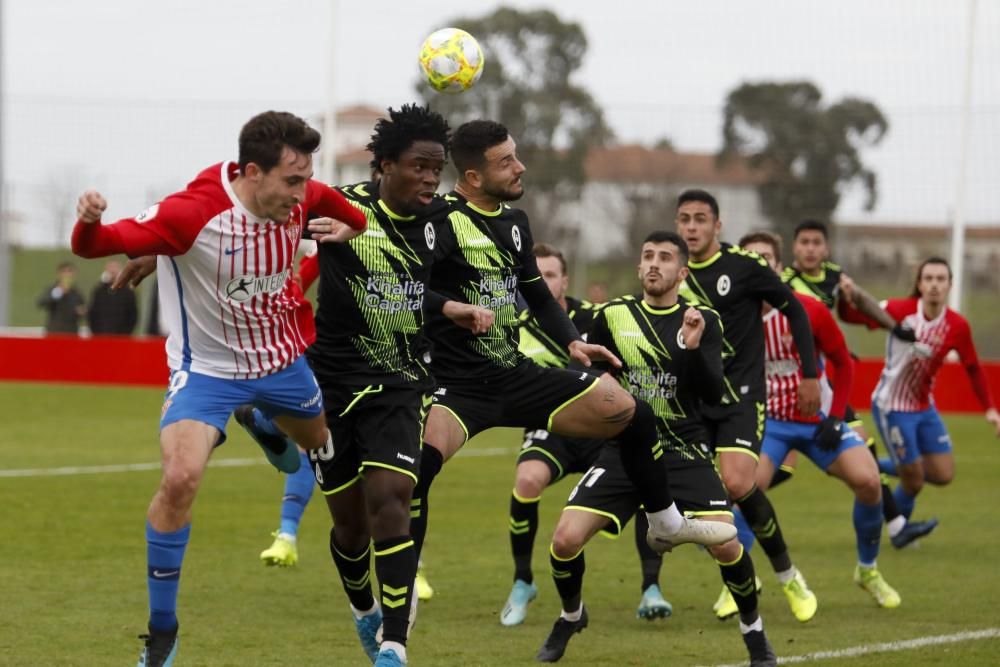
(526, 396)
(852, 419)
(374, 426)
(606, 490)
(736, 428)
(563, 455)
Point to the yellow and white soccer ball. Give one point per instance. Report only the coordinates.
(451, 60)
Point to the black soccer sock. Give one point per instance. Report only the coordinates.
(355, 573)
(759, 513)
(640, 453)
(396, 567)
(430, 465)
(649, 560)
(568, 577)
(782, 474)
(889, 508)
(523, 527)
(739, 578)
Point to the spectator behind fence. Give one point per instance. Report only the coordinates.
(63, 302)
(111, 311)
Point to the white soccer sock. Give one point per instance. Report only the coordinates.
(667, 521)
(896, 525)
(287, 537)
(397, 647)
(757, 626)
(866, 566)
(786, 575)
(361, 614)
(572, 616)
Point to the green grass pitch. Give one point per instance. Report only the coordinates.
(72, 564)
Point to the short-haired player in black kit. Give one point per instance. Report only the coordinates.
(369, 360)
(546, 458)
(812, 273)
(671, 356)
(735, 283)
(483, 256)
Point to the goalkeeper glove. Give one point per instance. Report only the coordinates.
(904, 333)
(828, 433)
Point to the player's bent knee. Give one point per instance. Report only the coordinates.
(726, 553)
(567, 542)
(180, 482)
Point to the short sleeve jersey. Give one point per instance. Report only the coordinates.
(370, 319)
(907, 378)
(735, 282)
(481, 257)
(539, 346)
(825, 286)
(657, 368)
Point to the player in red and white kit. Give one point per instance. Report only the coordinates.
(225, 247)
(911, 429)
(828, 442)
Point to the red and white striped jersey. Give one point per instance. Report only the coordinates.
(225, 275)
(908, 376)
(782, 366)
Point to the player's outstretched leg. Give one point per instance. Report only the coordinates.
(278, 448)
(567, 573)
(640, 452)
(652, 604)
(739, 578)
(299, 486)
(531, 479)
(761, 517)
(354, 568)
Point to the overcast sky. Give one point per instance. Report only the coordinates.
(134, 97)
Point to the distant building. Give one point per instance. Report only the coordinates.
(620, 181)
(896, 250)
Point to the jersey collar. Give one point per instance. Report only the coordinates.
(659, 311)
(389, 212)
(701, 265)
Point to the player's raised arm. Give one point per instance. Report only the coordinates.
(167, 228)
(338, 220)
(702, 332)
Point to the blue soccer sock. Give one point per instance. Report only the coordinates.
(867, 531)
(265, 424)
(743, 531)
(887, 466)
(164, 554)
(904, 501)
(298, 490)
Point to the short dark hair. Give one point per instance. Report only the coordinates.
(769, 238)
(699, 195)
(920, 270)
(811, 226)
(265, 136)
(471, 141)
(665, 236)
(546, 250)
(395, 134)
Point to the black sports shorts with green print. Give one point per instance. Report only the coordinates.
(526, 396)
(372, 426)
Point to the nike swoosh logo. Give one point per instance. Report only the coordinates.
(233, 251)
(160, 574)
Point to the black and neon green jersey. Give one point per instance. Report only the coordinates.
(538, 346)
(483, 258)
(735, 282)
(369, 320)
(825, 286)
(658, 368)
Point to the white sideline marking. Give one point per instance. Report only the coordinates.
(216, 463)
(904, 645)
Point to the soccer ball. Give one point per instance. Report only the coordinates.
(451, 59)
